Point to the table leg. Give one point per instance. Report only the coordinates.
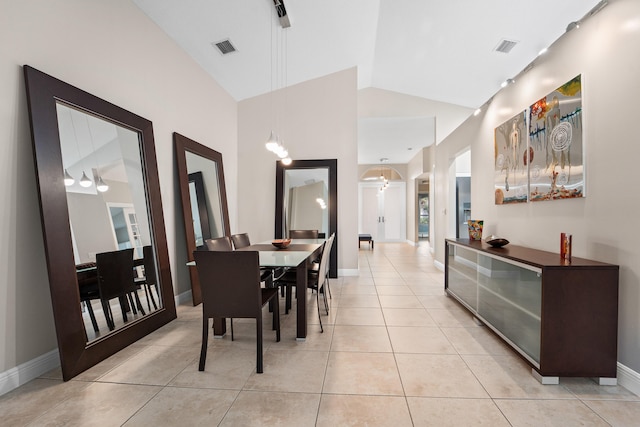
(301, 301)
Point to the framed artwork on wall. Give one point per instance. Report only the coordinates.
(511, 159)
(556, 164)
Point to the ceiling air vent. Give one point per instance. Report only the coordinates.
(225, 46)
(505, 46)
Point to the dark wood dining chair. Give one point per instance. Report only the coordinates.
(219, 244)
(303, 234)
(241, 297)
(240, 240)
(316, 280)
(149, 280)
(318, 268)
(115, 280)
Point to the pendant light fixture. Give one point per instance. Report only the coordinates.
(274, 142)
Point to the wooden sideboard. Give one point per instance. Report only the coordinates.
(562, 317)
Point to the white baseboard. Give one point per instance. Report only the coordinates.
(438, 265)
(22, 374)
(184, 297)
(348, 272)
(629, 379)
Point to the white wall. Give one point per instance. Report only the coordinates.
(110, 49)
(318, 120)
(374, 102)
(605, 51)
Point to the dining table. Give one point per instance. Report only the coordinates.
(300, 254)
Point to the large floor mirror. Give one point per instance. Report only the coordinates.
(102, 221)
(307, 199)
(204, 199)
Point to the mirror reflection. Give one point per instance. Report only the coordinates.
(111, 238)
(306, 200)
(204, 197)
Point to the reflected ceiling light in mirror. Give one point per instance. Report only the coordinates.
(101, 186)
(68, 179)
(85, 181)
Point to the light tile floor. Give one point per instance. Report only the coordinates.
(396, 351)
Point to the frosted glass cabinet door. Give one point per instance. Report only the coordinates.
(510, 298)
(463, 272)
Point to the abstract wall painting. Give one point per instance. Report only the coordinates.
(511, 156)
(556, 163)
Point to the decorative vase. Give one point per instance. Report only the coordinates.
(565, 246)
(475, 229)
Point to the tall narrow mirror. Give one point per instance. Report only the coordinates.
(307, 199)
(203, 196)
(102, 221)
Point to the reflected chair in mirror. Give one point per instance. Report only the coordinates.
(149, 280)
(219, 244)
(115, 280)
(241, 298)
(303, 234)
(88, 287)
(316, 281)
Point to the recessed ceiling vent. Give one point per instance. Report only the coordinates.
(225, 47)
(505, 46)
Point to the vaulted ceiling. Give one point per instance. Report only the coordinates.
(439, 50)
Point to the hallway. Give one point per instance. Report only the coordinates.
(395, 352)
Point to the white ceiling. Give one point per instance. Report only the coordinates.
(435, 49)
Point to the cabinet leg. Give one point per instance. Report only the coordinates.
(607, 381)
(545, 380)
(478, 321)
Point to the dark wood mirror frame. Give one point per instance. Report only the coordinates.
(182, 146)
(76, 355)
(332, 166)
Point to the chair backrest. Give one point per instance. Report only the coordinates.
(327, 247)
(240, 240)
(219, 244)
(230, 283)
(149, 265)
(323, 269)
(115, 273)
(303, 234)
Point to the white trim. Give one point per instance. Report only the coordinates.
(22, 374)
(412, 243)
(628, 378)
(183, 298)
(348, 272)
(438, 265)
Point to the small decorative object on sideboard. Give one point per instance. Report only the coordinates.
(565, 246)
(475, 229)
(281, 243)
(496, 242)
